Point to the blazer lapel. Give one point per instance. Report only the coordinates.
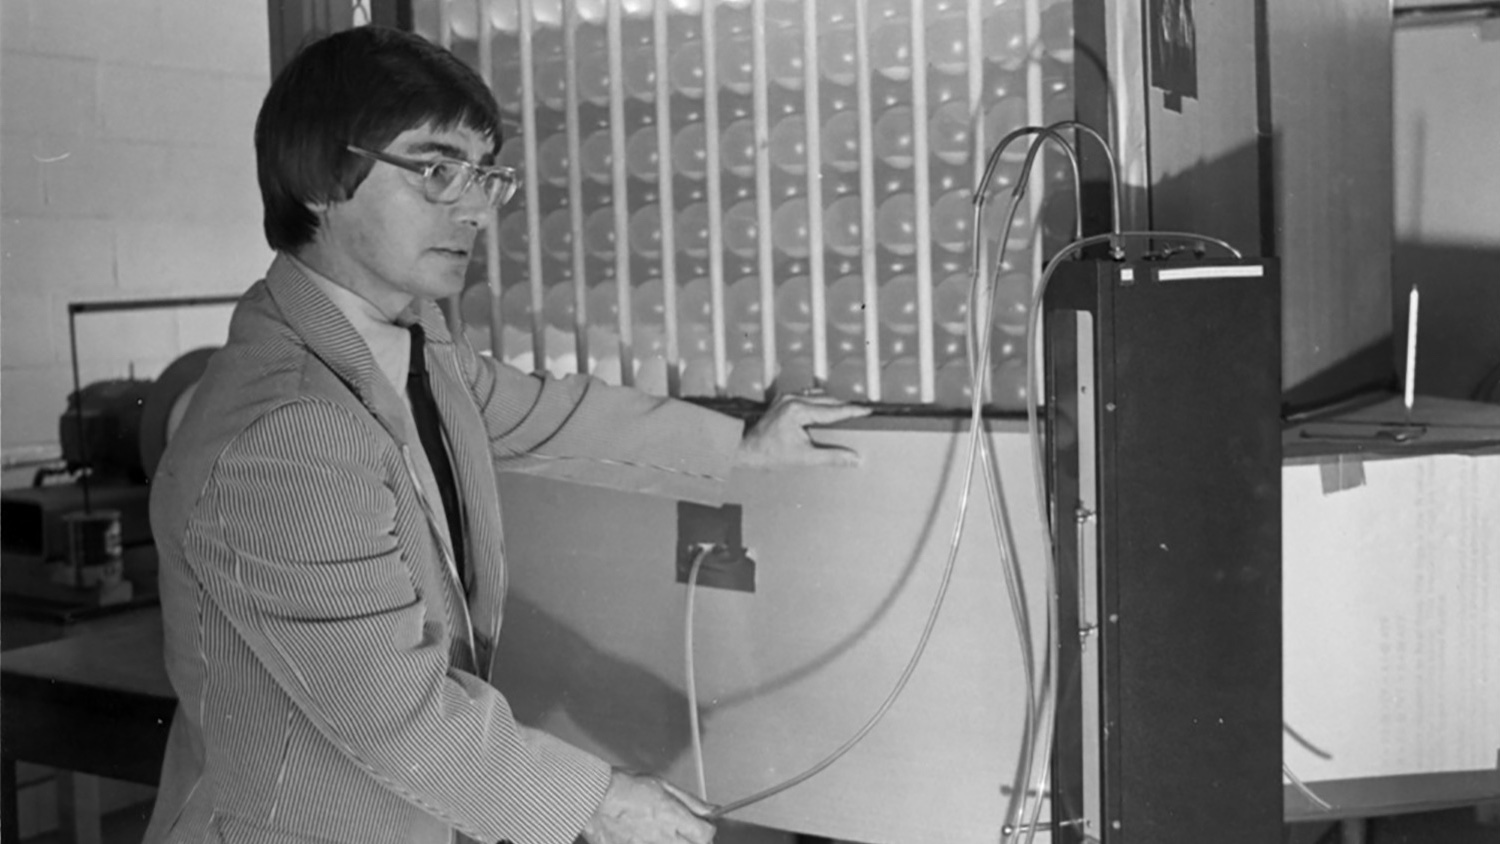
(331, 338)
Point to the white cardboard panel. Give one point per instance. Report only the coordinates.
(1392, 635)
(848, 563)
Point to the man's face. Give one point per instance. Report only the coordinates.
(388, 242)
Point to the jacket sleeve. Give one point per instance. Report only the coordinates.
(580, 429)
(295, 540)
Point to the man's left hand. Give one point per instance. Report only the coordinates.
(781, 439)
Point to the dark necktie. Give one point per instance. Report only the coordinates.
(430, 431)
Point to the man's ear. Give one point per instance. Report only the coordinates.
(320, 205)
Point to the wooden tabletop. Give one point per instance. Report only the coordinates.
(122, 653)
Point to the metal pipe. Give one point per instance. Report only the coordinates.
(765, 254)
(715, 189)
(618, 190)
(867, 254)
(922, 200)
(666, 199)
(98, 307)
(492, 225)
(531, 184)
(575, 185)
(813, 143)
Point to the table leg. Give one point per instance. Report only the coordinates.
(10, 828)
(78, 807)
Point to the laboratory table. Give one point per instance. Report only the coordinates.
(94, 703)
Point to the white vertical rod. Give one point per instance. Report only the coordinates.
(715, 190)
(980, 153)
(765, 248)
(533, 189)
(449, 305)
(867, 254)
(496, 284)
(575, 185)
(811, 106)
(922, 199)
(1034, 116)
(492, 227)
(618, 191)
(666, 199)
(1129, 110)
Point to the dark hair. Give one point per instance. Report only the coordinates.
(361, 86)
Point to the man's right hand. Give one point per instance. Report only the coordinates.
(647, 810)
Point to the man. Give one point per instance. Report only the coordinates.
(327, 518)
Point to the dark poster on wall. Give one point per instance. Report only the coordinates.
(1173, 43)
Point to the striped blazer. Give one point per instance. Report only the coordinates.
(330, 668)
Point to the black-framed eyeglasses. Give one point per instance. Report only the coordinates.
(445, 180)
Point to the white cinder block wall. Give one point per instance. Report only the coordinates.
(126, 172)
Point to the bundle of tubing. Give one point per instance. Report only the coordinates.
(976, 443)
(1040, 709)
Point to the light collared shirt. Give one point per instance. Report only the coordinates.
(389, 343)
